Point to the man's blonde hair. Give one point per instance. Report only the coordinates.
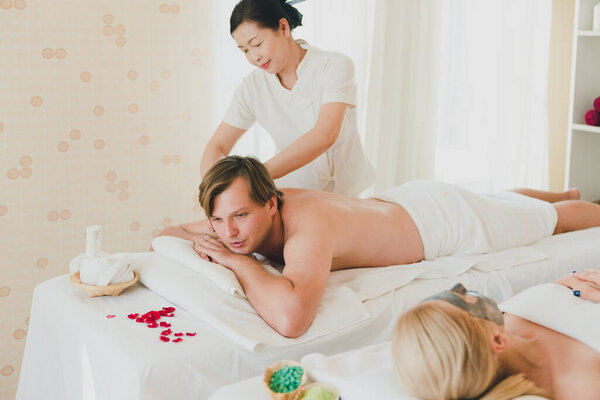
(220, 176)
(445, 353)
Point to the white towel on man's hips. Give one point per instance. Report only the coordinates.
(454, 221)
(554, 306)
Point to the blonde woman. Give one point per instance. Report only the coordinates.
(459, 345)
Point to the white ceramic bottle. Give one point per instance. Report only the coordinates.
(93, 247)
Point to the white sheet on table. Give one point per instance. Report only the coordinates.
(554, 306)
(340, 308)
(369, 283)
(365, 373)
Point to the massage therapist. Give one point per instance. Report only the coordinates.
(304, 97)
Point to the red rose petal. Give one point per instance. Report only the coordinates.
(191, 334)
(179, 334)
(110, 316)
(169, 309)
(169, 315)
(139, 320)
(165, 339)
(132, 316)
(165, 324)
(177, 340)
(155, 314)
(166, 332)
(153, 325)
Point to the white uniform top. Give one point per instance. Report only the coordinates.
(323, 77)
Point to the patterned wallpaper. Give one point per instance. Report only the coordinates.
(105, 108)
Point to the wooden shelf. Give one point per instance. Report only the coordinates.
(588, 33)
(586, 128)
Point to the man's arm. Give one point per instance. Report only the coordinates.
(192, 231)
(288, 303)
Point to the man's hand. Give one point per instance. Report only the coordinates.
(197, 247)
(214, 250)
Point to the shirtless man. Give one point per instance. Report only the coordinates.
(313, 233)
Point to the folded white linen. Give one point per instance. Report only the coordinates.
(339, 308)
(508, 258)
(554, 306)
(104, 270)
(369, 283)
(182, 250)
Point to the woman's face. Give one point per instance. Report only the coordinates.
(263, 47)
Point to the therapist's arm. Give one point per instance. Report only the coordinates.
(219, 145)
(311, 144)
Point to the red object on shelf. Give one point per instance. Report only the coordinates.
(597, 104)
(592, 117)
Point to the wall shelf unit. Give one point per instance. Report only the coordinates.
(583, 144)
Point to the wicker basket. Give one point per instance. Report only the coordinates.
(108, 290)
(276, 367)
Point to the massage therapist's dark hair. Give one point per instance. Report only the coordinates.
(266, 13)
(220, 176)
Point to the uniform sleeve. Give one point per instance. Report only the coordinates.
(339, 83)
(241, 109)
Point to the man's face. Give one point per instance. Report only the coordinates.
(241, 224)
(472, 302)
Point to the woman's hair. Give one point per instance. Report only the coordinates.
(442, 352)
(266, 13)
(220, 176)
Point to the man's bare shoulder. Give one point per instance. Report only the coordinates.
(303, 207)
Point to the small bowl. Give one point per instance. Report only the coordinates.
(326, 386)
(108, 290)
(276, 367)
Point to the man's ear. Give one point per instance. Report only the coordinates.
(499, 341)
(272, 204)
(284, 27)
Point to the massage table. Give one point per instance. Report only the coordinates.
(74, 351)
(365, 373)
(369, 373)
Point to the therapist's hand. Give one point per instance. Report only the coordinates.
(585, 283)
(216, 251)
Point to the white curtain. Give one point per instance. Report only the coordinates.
(448, 90)
(337, 25)
(457, 92)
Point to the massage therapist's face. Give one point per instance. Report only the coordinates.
(241, 223)
(264, 48)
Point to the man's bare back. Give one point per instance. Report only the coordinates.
(361, 232)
